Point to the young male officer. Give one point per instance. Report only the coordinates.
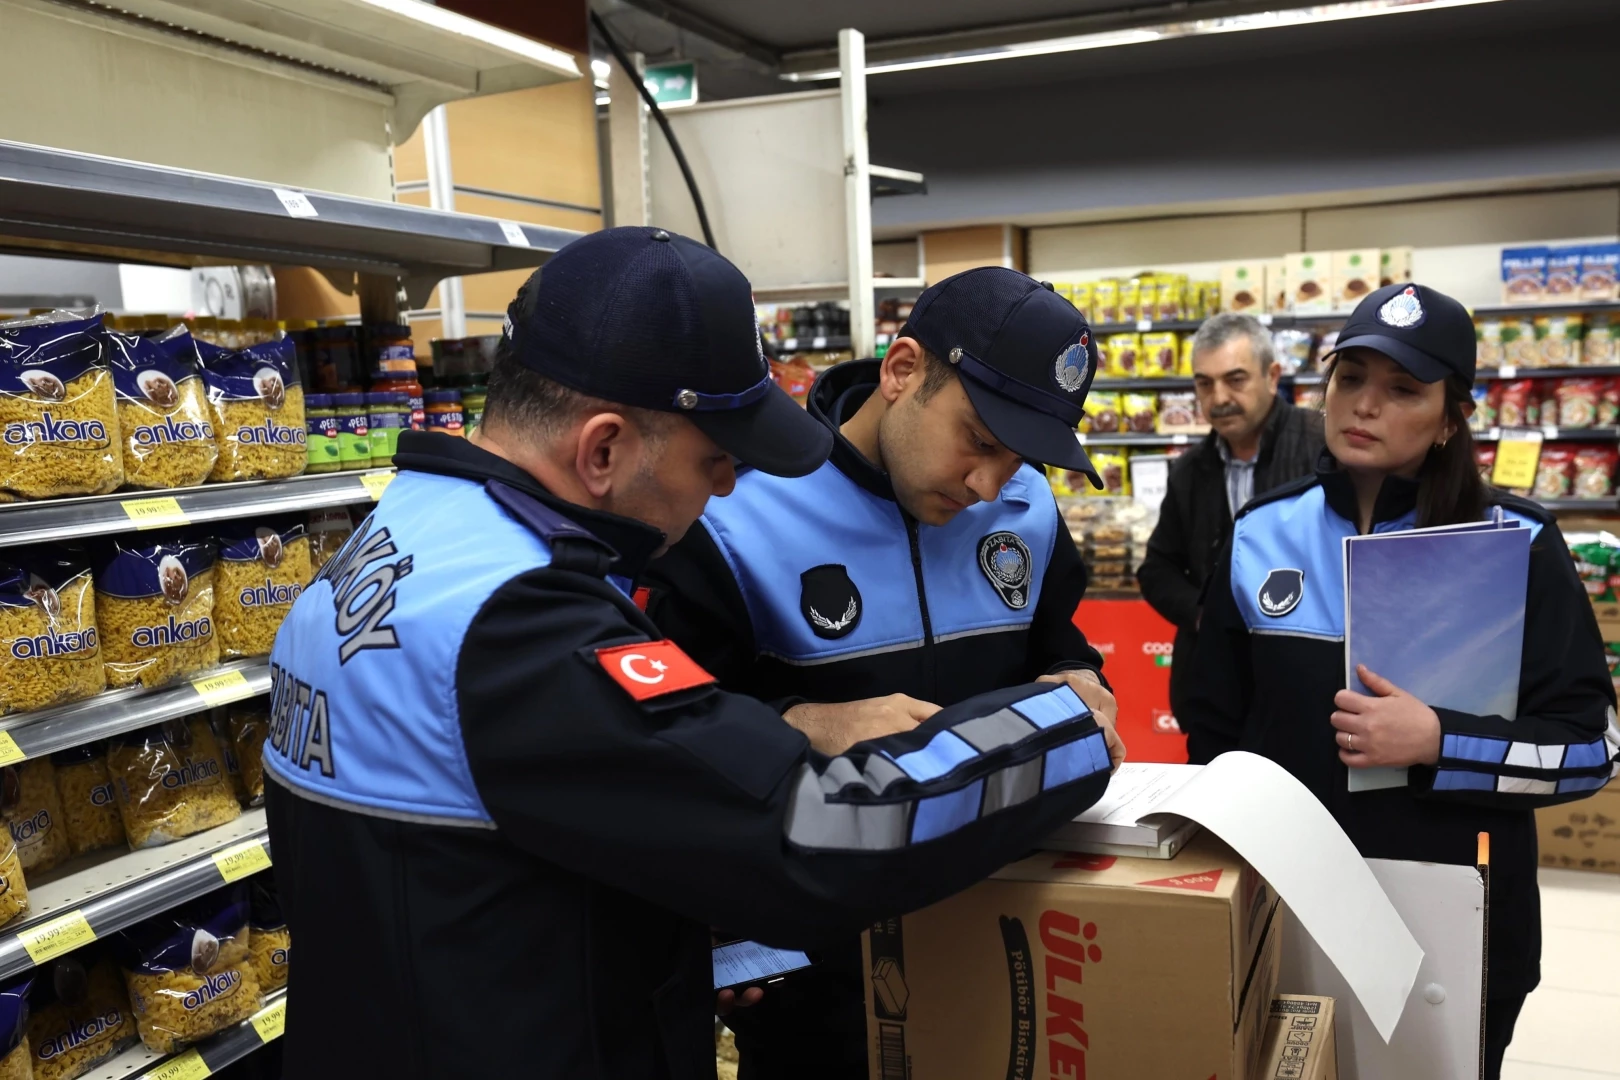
(926, 558)
(505, 811)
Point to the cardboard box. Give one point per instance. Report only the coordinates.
(1299, 1043)
(1277, 287)
(1243, 288)
(1075, 965)
(1583, 835)
(1394, 264)
(1310, 285)
(1355, 275)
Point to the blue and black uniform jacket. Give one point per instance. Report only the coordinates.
(1270, 659)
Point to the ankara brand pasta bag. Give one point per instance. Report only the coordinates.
(14, 1058)
(50, 648)
(33, 813)
(58, 426)
(257, 408)
(155, 608)
(261, 569)
(170, 781)
(168, 438)
(79, 1014)
(269, 940)
(89, 805)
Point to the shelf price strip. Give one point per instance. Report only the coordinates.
(240, 860)
(188, 1066)
(376, 484)
(155, 513)
(62, 934)
(221, 689)
(271, 1021)
(10, 752)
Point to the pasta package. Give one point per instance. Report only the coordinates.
(329, 530)
(89, 806)
(14, 1055)
(249, 723)
(258, 410)
(13, 885)
(170, 781)
(155, 609)
(80, 1015)
(260, 570)
(50, 649)
(33, 813)
(57, 419)
(190, 971)
(268, 939)
(227, 750)
(168, 439)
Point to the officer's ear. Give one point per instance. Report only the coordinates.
(606, 454)
(903, 368)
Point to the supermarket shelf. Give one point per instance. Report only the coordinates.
(1608, 504)
(1145, 326)
(1182, 382)
(1548, 372)
(1127, 439)
(45, 731)
(114, 889)
(887, 181)
(57, 202)
(820, 344)
(1546, 309)
(99, 515)
(1550, 433)
(217, 1051)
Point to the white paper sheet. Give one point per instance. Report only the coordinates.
(1135, 791)
(1288, 836)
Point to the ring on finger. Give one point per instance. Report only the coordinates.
(1350, 743)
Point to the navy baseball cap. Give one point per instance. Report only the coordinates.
(1425, 331)
(1026, 356)
(644, 317)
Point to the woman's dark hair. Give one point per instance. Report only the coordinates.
(1450, 489)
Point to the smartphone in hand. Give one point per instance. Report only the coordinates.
(741, 964)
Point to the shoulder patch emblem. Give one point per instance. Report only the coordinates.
(650, 669)
(1072, 363)
(1281, 592)
(1004, 558)
(1403, 310)
(829, 601)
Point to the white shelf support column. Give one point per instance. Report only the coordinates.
(442, 196)
(627, 136)
(857, 191)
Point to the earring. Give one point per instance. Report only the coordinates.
(1441, 445)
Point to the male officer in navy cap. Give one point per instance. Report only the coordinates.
(926, 558)
(506, 813)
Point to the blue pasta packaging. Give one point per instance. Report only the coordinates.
(257, 407)
(168, 437)
(58, 424)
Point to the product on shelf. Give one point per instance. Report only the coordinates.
(259, 571)
(1130, 299)
(1105, 300)
(1485, 458)
(444, 412)
(329, 530)
(58, 416)
(1159, 353)
(170, 781)
(1394, 264)
(168, 440)
(1243, 288)
(1277, 297)
(1601, 345)
(387, 414)
(1577, 402)
(795, 377)
(353, 434)
(1524, 275)
(1179, 413)
(1111, 535)
(1309, 397)
(388, 350)
(1309, 283)
(321, 448)
(464, 358)
(220, 726)
(258, 410)
(1140, 412)
(1325, 344)
(268, 937)
(1123, 353)
(248, 723)
(1489, 351)
(1563, 275)
(89, 806)
(1600, 273)
(33, 814)
(1184, 362)
(1113, 467)
(1594, 470)
(1519, 346)
(1558, 340)
(80, 1015)
(155, 608)
(50, 646)
(1293, 349)
(1518, 407)
(1608, 409)
(1355, 274)
(1555, 474)
(13, 884)
(1483, 418)
(190, 971)
(14, 1064)
(1082, 296)
(1103, 414)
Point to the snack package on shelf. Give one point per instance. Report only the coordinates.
(1594, 470)
(1159, 354)
(1608, 409)
(1179, 413)
(329, 530)
(1555, 475)
(1170, 298)
(57, 410)
(1524, 275)
(1184, 359)
(170, 781)
(220, 726)
(1577, 403)
(1113, 466)
(1103, 413)
(167, 436)
(1563, 275)
(14, 1052)
(1293, 349)
(190, 971)
(1490, 352)
(155, 608)
(1519, 346)
(258, 410)
(1141, 413)
(1124, 354)
(1067, 483)
(1485, 458)
(1484, 415)
(1519, 406)
(50, 648)
(1105, 299)
(269, 939)
(260, 570)
(1547, 394)
(1243, 288)
(1558, 340)
(89, 806)
(1130, 299)
(1600, 344)
(1081, 296)
(13, 884)
(80, 1014)
(249, 723)
(32, 809)
(1600, 273)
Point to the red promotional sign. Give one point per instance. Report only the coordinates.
(649, 669)
(1136, 644)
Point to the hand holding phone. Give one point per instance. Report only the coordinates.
(739, 965)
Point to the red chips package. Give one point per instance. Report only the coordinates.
(1577, 403)
(1518, 407)
(1555, 476)
(1594, 470)
(1485, 458)
(1608, 410)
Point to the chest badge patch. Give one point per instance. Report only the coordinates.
(1281, 592)
(829, 601)
(1004, 558)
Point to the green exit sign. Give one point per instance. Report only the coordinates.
(672, 85)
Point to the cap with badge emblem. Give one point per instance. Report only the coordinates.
(1026, 356)
(1423, 330)
(653, 319)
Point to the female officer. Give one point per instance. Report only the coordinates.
(1269, 673)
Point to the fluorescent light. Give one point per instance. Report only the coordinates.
(1264, 20)
(601, 69)
(453, 23)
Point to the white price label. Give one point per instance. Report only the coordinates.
(1549, 431)
(818, 343)
(1265, 320)
(790, 344)
(1178, 440)
(1144, 325)
(296, 203)
(1081, 436)
(515, 234)
(1508, 371)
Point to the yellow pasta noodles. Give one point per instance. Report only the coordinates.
(170, 782)
(50, 650)
(13, 887)
(269, 941)
(58, 425)
(168, 438)
(81, 1015)
(33, 813)
(89, 806)
(155, 610)
(15, 1065)
(258, 410)
(249, 723)
(259, 572)
(190, 972)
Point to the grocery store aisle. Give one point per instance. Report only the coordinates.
(1567, 1029)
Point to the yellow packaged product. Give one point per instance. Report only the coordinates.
(13, 885)
(1601, 346)
(1489, 351)
(257, 404)
(269, 940)
(170, 781)
(1141, 413)
(155, 608)
(89, 807)
(190, 971)
(220, 726)
(33, 813)
(259, 571)
(1124, 355)
(50, 648)
(1519, 346)
(1170, 298)
(1082, 294)
(1105, 301)
(80, 1015)
(1113, 467)
(1184, 358)
(329, 530)
(1558, 340)
(168, 439)
(1159, 352)
(14, 1055)
(249, 723)
(1131, 291)
(57, 416)
(1102, 414)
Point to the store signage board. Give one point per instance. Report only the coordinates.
(672, 85)
(1517, 455)
(1150, 479)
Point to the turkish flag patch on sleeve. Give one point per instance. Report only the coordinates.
(649, 669)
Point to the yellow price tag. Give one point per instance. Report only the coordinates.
(10, 752)
(225, 687)
(271, 1021)
(240, 860)
(377, 483)
(155, 513)
(188, 1066)
(62, 934)
(1517, 455)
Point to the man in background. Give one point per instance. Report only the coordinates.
(1258, 442)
